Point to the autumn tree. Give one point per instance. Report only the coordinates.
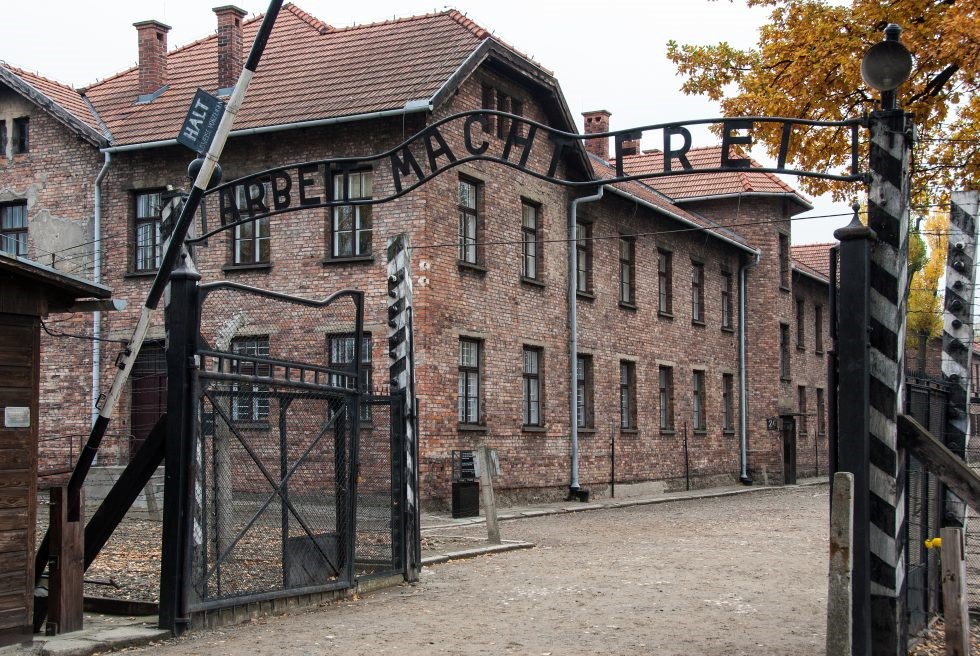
(925, 305)
(807, 65)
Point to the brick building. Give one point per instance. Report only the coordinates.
(667, 270)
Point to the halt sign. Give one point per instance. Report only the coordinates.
(201, 122)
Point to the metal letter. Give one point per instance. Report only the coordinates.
(514, 138)
(305, 182)
(435, 153)
(403, 166)
(728, 140)
(681, 154)
(468, 134)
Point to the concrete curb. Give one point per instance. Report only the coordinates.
(629, 503)
(85, 642)
(462, 554)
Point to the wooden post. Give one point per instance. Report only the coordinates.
(841, 561)
(486, 493)
(955, 612)
(66, 567)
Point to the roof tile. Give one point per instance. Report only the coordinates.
(309, 71)
(657, 199)
(815, 257)
(698, 185)
(69, 99)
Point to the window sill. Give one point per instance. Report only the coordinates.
(588, 296)
(784, 289)
(700, 431)
(472, 428)
(533, 282)
(818, 352)
(140, 274)
(471, 266)
(668, 431)
(261, 267)
(629, 431)
(698, 323)
(728, 433)
(785, 380)
(665, 315)
(357, 259)
(252, 425)
(534, 429)
(727, 329)
(801, 349)
(628, 306)
(583, 430)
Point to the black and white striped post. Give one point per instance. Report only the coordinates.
(891, 144)
(871, 337)
(402, 386)
(958, 334)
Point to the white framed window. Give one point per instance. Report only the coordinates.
(351, 225)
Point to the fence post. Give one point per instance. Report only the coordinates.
(183, 324)
(402, 384)
(853, 417)
(955, 613)
(841, 562)
(888, 193)
(66, 565)
(958, 334)
(486, 493)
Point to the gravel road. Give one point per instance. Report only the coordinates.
(734, 575)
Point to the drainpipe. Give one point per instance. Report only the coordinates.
(743, 404)
(573, 335)
(97, 278)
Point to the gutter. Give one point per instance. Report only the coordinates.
(411, 107)
(812, 276)
(802, 202)
(97, 278)
(573, 488)
(743, 402)
(677, 217)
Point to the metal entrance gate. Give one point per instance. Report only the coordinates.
(294, 478)
(925, 401)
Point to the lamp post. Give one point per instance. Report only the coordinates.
(871, 328)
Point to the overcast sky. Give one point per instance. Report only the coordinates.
(606, 54)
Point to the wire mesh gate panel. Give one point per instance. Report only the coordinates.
(925, 401)
(275, 447)
(379, 484)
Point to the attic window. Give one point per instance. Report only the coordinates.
(21, 142)
(494, 98)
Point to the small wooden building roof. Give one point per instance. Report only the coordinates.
(28, 287)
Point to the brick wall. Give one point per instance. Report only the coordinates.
(488, 302)
(54, 178)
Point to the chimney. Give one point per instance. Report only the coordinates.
(631, 146)
(153, 55)
(229, 46)
(597, 121)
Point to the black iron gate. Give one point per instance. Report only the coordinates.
(294, 482)
(925, 401)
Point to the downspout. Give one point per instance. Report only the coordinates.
(743, 404)
(97, 278)
(573, 335)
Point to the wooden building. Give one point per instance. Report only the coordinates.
(28, 292)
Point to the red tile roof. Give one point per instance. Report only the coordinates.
(70, 99)
(652, 196)
(699, 185)
(813, 257)
(309, 71)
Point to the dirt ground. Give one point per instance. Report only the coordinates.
(736, 575)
